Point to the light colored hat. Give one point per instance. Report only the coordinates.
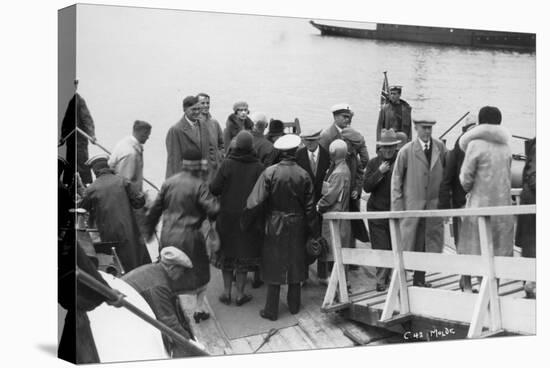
(287, 142)
(258, 116)
(402, 137)
(97, 158)
(396, 88)
(174, 256)
(388, 138)
(310, 134)
(338, 145)
(341, 107)
(424, 120)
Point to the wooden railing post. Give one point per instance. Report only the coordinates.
(488, 293)
(338, 268)
(398, 284)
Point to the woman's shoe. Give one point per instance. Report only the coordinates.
(243, 300)
(263, 314)
(198, 316)
(225, 299)
(380, 287)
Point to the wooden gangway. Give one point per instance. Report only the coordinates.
(484, 314)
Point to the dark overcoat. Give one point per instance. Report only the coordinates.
(379, 186)
(77, 115)
(184, 201)
(526, 233)
(323, 163)
(388, 118)
(110, 199)
(285, 192)
(263, 147)
(180, 138)
(233, 126)
(233, 183)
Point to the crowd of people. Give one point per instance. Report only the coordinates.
(264, 195)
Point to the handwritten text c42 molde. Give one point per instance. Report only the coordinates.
(431, 334)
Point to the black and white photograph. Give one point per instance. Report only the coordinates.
(239, 184)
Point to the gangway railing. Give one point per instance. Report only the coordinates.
(485, 309)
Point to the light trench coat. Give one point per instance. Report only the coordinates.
(415, 186)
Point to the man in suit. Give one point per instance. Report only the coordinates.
(342, 118)
(315, 160)
(415, 183)
(188, 134)
(215, 132)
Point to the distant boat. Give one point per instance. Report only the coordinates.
(436, 35)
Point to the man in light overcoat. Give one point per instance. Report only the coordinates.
(416, 179)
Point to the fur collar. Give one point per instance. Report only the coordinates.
(491, 133)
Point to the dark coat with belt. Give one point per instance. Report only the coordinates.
(233, 126)
(180, 138)
(77, 115)
(233, 183)
(323, 163)
(395, 116)
(285, 192)
(379, 187)
(184, 202)
(110, 199)
(155, 286)
(526, 232)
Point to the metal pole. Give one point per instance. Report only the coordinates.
(94, 284)
(452, 126)
(94, 141)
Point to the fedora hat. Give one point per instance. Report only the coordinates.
(388, 138)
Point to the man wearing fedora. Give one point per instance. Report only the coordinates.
(283, 196)
(417, 176)
(377, 182)
(395, 114)
(315, 160)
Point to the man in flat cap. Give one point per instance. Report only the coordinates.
(155, 283)
(315, 160)
(187, 135)
(415, 183)
(342, 117)
(395, 114)
(110, 200)
(283, 195)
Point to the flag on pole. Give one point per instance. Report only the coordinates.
(385, 92)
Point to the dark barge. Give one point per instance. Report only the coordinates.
(525, 42)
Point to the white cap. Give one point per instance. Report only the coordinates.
(287, 142)
(340, 107)
(172, 255)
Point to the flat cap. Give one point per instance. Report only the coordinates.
(287, 142)
(396, 88)
(174, 256)
(424, 120)
(190, 101)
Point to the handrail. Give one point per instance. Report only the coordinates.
(461, 212)
(111, 295)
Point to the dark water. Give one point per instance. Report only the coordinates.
(139, 64)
